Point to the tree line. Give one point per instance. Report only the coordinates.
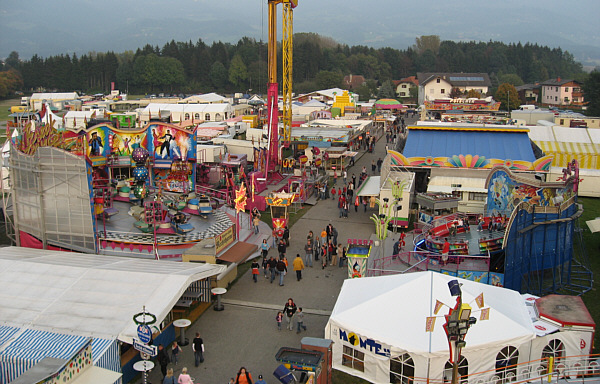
(319, 62)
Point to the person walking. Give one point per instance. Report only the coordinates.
(198, 348)
(272, 263)
(255, 222)
(338, 256)
(281, 248)
(255, 270)
(264, 248)
(163, 359)
(300, 320)
(345, 176)
(356, 203)
(260, 380)
(324, 236)
(324, 251)
(170, 377)
(279, 319)
(353, 181)
(281, 270)
(308, 253)
(286, 236)
(396, 249)
(290, 310)
(175, 349)
(298, 266)
(243, 377)
(184, 377)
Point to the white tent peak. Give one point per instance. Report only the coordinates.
(393, 310)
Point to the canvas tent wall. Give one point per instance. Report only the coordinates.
(382, 320)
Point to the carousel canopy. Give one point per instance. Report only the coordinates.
(388, 104)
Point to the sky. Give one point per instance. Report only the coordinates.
(48, 28)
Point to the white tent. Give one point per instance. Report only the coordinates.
(383, 319)
(89, 295)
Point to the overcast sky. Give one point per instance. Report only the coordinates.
(67, 26)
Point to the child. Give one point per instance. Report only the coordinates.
(333, 190)
(255, 270)
(300, 319)
(279, 319)
(175, 352)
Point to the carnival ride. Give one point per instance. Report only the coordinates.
(529, 240)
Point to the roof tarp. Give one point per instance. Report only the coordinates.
(541, 133)
(447, 184)
(89, 295)
(571, 135)
(492, 145)
(393, 311)
(370, 187)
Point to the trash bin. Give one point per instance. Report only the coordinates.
(284, 375)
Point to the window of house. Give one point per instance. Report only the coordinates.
(566, 89)
(562, 122)
(555, 98)
(402, 94)
(566, 99)
(353, 358)
(575, 99)
(187, 116)
(402, 369)
(556, 89)
(207, 117)
(575, 89)
(442, 90)
(403, 85)
(476, 196)
(218, 117)
(197, 116)
(506, 361)
(438, 80)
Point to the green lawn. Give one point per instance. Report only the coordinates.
(591, 210)
(5, 107)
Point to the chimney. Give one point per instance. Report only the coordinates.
(558, 79)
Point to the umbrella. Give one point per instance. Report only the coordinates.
(388, 104)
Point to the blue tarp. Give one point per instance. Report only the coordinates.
(492, 145)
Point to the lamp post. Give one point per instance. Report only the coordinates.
(457, 324)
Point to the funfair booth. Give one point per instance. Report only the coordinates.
(378, 327)
(390, 329)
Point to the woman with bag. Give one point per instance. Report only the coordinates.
(169, 378)
(255, 270)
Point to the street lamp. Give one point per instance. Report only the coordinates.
(457, 324)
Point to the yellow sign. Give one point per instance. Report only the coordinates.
(223, 240)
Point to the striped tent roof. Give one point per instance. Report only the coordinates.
(586, 153)
(21, 349)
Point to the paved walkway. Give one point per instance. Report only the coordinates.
(245, 333)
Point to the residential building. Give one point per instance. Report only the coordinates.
(434, 86)
(404, 85)
(561, 92)
(528, 92)
(353, 81)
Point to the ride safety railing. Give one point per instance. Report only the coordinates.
(568, 369)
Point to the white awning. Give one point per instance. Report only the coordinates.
(96, 375)
(594, 225)
(446, 184)
(90, 295)
(370, 187)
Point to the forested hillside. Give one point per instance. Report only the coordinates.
(319, 62)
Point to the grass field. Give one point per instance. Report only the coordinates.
(591, 210)
(5, 107)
